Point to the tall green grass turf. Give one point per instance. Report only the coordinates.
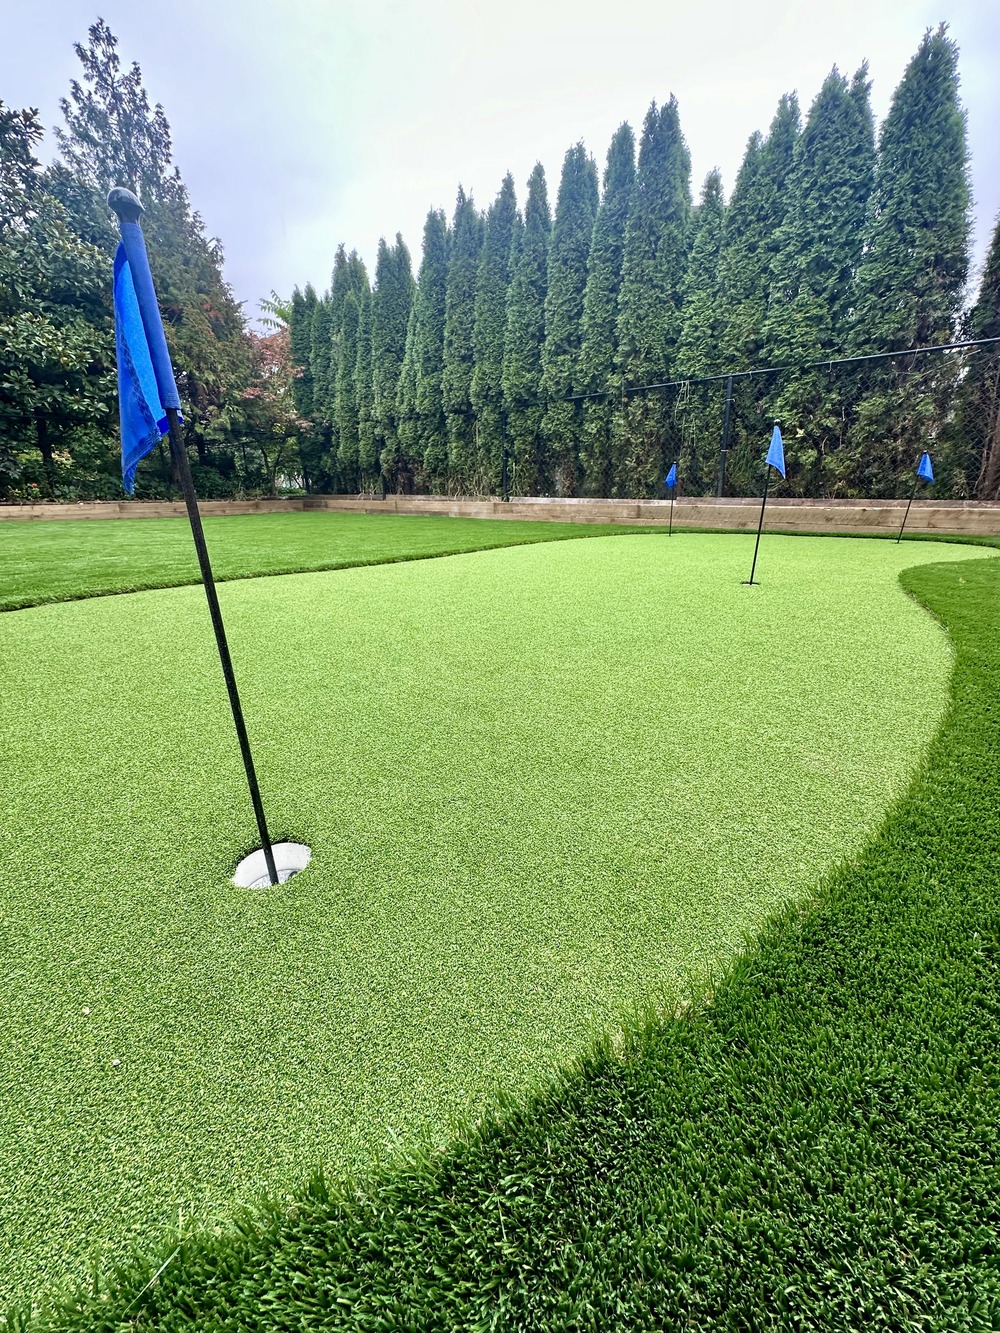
(812, 1145)
(67, 559)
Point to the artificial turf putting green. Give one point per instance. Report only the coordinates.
(543, 786)
(70, 558)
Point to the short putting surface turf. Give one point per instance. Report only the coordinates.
(543, 786)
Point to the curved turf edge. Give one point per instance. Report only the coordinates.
(814, 1147)
(72, 560)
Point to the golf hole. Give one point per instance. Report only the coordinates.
(289, 859)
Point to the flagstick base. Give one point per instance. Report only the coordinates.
(289, 859)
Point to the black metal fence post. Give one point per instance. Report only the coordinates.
(724, 448)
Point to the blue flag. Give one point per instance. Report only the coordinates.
(671, 481)
(146, 385)
(924, 469)
(142, 415)
(776, 453)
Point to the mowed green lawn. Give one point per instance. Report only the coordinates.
(69, 558)
(544, 786)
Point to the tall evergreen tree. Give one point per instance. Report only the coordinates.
(698, 351)
(392, 299)
(303, 314)
(912, 279)
(368, 461)
(459, 353)
(813, 276)
(347, 394)
(649, 304)
(753, 223)
(572, 232)
(523, 339)
(315, 452)
(320, 354)
(492, 286)
(979, 403)
(819, 244)
(113, 136)
(349, 276)
(407, 422)
(916, 256)
(425, 435)
(599, 349)
(340, 285)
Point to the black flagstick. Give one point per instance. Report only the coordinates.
(760, 525)
(902, 525)
(129, 210)
(775, 458)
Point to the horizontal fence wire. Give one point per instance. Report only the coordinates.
(853, 427)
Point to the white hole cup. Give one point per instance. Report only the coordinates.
(289, 859)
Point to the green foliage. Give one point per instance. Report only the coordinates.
(704, 317)
(596, 370)
(349, 283)
(490, 322)
(572, 231)
(56, 341)
(911, 281)
(321, 352)
(459, 343)
(275, 311)
(819, 243)
(649, 306)
(262, 422)
(341, 283)
(978, 414)
(368, 461)
(916, 257)
(303, 313)
(753, 224)
(418, 964)
(523, 338)
(408, 428)
(430, 438)
(813, 289)
(392, 300)
(347, 395)
(113, 137)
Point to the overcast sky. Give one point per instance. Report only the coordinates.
(301, 124)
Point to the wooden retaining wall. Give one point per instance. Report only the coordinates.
(833, 516)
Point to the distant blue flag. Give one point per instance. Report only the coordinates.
(924, 469)
(671, 481)
(142, 415)
(776, 453)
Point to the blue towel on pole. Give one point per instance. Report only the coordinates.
(143, 418)
(776, 453)
(925, 470)
(671, 481)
